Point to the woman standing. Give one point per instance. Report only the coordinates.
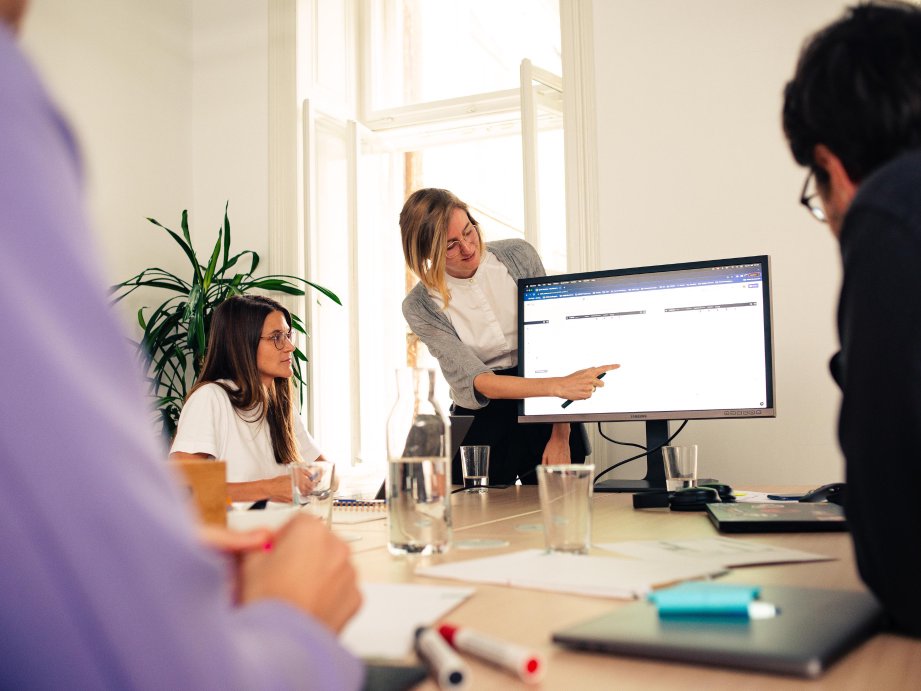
(465, 310)
(242, 408)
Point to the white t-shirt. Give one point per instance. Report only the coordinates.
(484, 312)
(209, 424)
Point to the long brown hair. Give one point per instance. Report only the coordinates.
(236, 327)
(424, 228)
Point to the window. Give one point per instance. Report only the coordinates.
(460, 95)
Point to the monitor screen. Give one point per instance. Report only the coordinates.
(693, 340)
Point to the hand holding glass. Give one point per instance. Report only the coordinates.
(312, 487)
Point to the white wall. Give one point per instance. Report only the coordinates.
(229, 152)
(693, 165)
(169, 102)
(121, 71)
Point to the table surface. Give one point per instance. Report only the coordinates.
(528, 617)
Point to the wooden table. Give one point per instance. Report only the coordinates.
(528, 617)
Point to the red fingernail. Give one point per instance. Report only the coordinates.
(267, 547)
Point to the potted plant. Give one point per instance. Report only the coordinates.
(175, 334)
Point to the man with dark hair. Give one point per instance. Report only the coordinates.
(852, 114)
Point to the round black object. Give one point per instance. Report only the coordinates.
(725, 491)
(693, 498)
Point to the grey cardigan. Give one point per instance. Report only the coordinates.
(458, 363)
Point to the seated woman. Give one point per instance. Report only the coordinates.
(242, 409)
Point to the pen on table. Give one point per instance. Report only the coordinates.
(449, 670)
(526, 664)
(568, 403)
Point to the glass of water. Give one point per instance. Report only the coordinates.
(475, 466)
(312, 487)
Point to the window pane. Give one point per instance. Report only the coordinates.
(486, 174)
(430, 50)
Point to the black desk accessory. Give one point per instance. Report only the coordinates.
(688, 499)
(777, 517)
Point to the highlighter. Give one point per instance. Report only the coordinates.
(712, 600)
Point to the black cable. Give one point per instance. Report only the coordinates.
(620, 443)
(640, 455)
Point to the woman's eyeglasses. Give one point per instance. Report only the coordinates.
(470, 238)
(279, 338)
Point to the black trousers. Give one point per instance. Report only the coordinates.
(516, 448)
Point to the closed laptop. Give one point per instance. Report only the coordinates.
(813, 628)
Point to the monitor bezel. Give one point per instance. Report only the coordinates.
(770, 409)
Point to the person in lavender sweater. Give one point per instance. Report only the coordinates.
(105, 581)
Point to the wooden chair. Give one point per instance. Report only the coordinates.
(207, 485)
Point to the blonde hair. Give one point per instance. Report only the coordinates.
(424, 228)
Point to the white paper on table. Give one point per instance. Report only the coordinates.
(573, 573)
(272, 517)
(747, 496)
(725, 551)
(385, 626)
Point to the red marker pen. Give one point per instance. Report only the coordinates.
(526, 664)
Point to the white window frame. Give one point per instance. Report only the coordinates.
(289, 227)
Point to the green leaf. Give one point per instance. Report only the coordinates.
(186, 244)
(226, 232)
(212, 262)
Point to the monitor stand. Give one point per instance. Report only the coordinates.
(656, 437)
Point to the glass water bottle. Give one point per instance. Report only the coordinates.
(419, 470)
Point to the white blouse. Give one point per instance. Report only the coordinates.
(484, 312)
(210, 424)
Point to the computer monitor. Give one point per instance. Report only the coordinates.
(693, 341)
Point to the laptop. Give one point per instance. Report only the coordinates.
(814, 628)
(460, 425)
(777, 517)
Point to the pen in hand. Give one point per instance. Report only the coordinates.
(567, 403)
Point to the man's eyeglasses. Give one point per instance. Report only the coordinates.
(279, 338)
(469, 237)
(811, 201)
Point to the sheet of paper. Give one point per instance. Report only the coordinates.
(572, 573)
(747, 496)
(386, 624)
(273, 517)
(725, 551)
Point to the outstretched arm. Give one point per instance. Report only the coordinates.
(576, 386)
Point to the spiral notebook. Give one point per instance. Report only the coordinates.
(350, 511)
